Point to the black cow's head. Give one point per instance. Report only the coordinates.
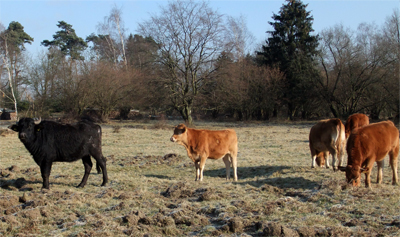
(26, 128)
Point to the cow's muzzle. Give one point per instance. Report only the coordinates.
(22, 136)
(172, 139)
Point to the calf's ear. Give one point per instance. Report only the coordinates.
(13, 127)
(39, 127)
(342, 168)
(364, 170)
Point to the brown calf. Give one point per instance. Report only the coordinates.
(355, 121)
(370, 144)
(203, 144)
(327, 136)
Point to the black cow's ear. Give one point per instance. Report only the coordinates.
(342, 168)
(14, 127)
(39, 127)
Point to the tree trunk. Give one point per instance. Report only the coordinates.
(334, 111)
(186, 113)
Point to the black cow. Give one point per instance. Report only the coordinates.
(49, 142)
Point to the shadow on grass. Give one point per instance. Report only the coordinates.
(158, 176)
(264, 173)
(24, 185)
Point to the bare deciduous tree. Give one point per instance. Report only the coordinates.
(111, 31)
(191, 37)
(240, 37)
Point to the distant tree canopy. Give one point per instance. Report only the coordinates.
(192, 61)
(16, 36)
(67, 41)
(292, 48)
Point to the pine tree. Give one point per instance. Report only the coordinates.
(67, 40)
(292, 48)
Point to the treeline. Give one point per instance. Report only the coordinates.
(186, 64)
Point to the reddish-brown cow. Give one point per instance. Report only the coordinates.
(321, 158)
(370, 144)
(327, 136)
(355, 121)
(201, 144)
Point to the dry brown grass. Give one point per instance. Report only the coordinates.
(152, 190)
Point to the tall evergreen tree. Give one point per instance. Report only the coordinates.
(292, 48)
(67, 40)
(17, 37)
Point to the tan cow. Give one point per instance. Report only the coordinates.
(327, 136)
(355, 121)
(370, 144)
(203, 144)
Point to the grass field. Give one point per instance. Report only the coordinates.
(152, 192)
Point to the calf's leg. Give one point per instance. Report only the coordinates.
(393, 156)
(234, 165)
(101, 164)
(227, 166)
(202, 165)
(87, 163)
(380, 164)
(313, 156)
(45, 168)
(197, 166)
(334, 156)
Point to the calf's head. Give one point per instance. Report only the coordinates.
(180, 134)
(26, 128)
(353, 174)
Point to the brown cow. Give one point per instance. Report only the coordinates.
(370, 144)
(355, 121)
(201, 144)
(327, 136)
(321, 158)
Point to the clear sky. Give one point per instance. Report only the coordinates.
(40, 17)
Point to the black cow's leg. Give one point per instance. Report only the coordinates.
(45, 169)
(87, 163)
(98, 168)
(101, 162)
(103, 165)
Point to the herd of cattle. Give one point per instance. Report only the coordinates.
(50, 142)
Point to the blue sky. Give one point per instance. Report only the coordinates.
(40, 18)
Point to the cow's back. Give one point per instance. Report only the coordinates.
(373, 140)
(325, 132)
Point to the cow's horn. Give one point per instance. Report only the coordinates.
(38, 121)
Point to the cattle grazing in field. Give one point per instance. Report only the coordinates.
(321, 158)
(49, 142)
(370, 144)
(203, 144)
(355, 121)
(327, 136)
